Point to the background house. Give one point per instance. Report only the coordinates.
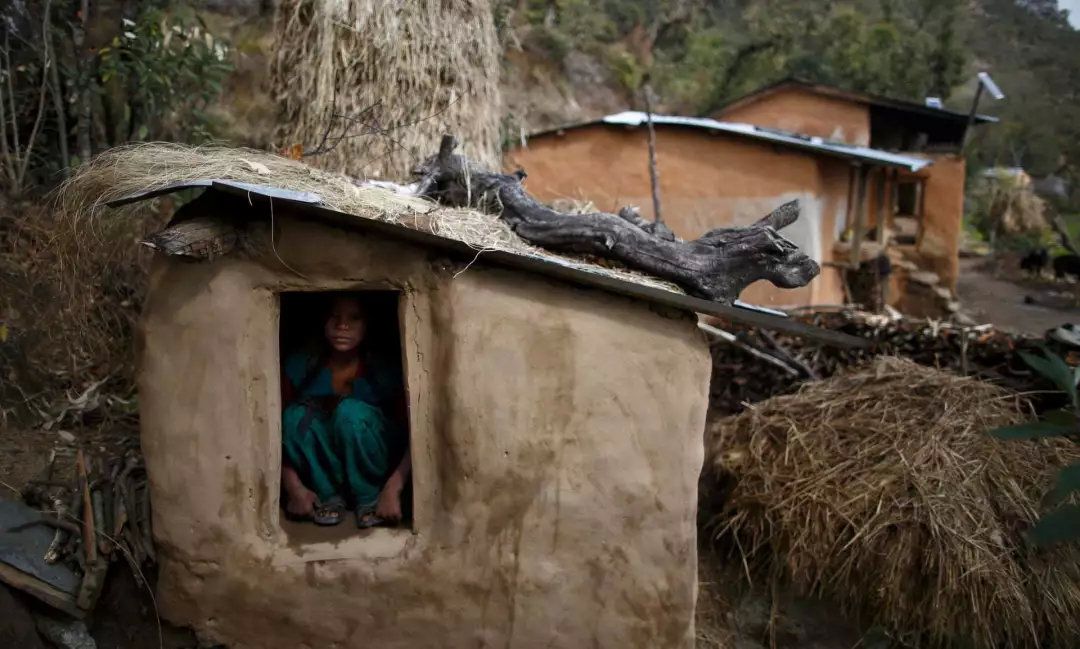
(925, 207)
(835, 152)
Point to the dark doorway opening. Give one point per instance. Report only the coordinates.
(344, 419)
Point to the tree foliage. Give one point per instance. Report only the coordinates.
(1031, 51)
(701, 54)
(80, 77)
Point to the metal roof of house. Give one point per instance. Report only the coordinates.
(810, 144)
(309, 206)
(870, 99)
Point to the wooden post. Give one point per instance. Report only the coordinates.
(859, 231)
(882, 189)
(654, 174)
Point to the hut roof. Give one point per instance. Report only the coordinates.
(127, 176)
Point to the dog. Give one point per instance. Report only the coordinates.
(1067, 265)
(1035, 261)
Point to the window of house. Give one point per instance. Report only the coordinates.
(344, 423)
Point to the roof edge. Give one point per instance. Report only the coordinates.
(812, 144)
(317, 212)
(850, 95)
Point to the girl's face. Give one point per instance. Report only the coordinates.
(345, 328)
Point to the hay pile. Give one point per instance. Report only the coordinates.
(880, 488)
(391, 77)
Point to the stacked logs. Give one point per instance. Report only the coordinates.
(741, 377)
(99, 508)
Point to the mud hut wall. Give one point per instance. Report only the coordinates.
(938, 244)
(706, 181)
(800, 110)
(557, 440)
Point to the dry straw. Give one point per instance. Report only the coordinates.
(880, 488)
(136, 168)
(392, 77)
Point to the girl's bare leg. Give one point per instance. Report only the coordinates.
(301, 500)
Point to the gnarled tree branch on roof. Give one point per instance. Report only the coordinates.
(716, 266)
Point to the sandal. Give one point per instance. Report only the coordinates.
(328, 513)
(367, 518)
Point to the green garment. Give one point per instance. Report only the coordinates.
(347, 453)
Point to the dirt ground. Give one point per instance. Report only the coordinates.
(23, 456)
(995, 291)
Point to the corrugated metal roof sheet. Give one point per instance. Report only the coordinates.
(810, 143)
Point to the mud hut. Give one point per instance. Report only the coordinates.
(550, 502)
(555, 410)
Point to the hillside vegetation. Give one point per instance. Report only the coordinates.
(568, 60)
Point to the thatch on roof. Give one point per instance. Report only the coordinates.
(880, 488)
(137, 168)
(415, 70)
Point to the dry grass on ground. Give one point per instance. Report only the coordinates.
(880, 488)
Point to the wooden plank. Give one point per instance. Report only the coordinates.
(32, 585)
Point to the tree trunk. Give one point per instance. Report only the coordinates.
(57, 91)
(84, 112)
(716, 266)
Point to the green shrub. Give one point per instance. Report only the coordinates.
(1062, 523)
(165, 71)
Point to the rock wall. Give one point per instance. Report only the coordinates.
(557, 441)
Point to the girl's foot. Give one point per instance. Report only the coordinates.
(301, 501)
(330, 512)
(366, 517)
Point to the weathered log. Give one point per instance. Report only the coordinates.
(716, 266)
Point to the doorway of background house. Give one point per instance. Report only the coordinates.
(344, 420)
(907, 219)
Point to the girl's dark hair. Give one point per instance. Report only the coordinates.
(356, 297)
(320, 360)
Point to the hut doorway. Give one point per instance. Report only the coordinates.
(344, 423)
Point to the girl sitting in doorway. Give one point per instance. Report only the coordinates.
(344, 444)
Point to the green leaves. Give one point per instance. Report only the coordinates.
(1033, 430)
(163, 71)
(1068, 481)
(1060, 525)
(1054, 423)
(1063, 523)
(1055, 369)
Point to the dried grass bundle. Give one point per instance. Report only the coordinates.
(127, 170)
(880, 488)
(131, 169)
(380, 82)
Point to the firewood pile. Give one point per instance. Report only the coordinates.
(742, 375)
(98, 507)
